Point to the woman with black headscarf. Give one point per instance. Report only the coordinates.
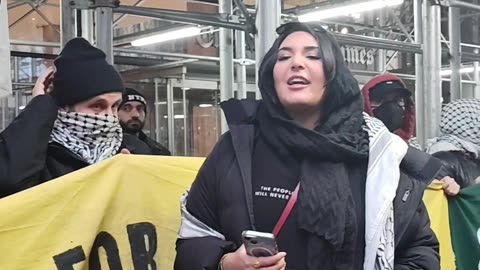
(359, 187)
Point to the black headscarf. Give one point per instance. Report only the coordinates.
(326, 206)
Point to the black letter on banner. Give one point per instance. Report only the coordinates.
(109, 243)
(142, 257)
(67, 259)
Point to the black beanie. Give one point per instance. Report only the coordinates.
(131, 94)
(82, 72)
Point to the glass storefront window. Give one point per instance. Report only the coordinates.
(195, 127)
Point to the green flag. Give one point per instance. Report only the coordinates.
(464, 211)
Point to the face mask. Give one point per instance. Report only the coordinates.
(391, 114)
(91, 137)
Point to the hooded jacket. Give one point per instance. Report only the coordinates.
(408, 125)
(458, 146)
(220, 202)
(27, 157)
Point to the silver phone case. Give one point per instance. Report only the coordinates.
(259, 244)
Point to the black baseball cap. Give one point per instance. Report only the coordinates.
(381, 90)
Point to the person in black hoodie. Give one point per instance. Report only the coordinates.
(71, 127)
(309, 133)
(132, 113)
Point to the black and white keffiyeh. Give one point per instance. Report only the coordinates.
(92, 137)
(386, 152)
(460, 127)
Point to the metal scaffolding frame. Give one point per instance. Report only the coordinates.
(460, 4)
(267, 21)
(121, 17)
(454, 33)
(432, 90)
(104, 31)
(419, 73)
(230, 21)
(425, 43)
(455, 52)
(67, 18)
(225, 8)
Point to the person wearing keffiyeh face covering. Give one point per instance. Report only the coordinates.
(360, 192)
(69, 128)
(458, 146)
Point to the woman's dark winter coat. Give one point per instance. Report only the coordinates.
(221, 197)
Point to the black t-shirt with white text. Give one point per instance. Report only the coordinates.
(274, 178)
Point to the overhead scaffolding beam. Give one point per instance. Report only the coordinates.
(186, 17)
(45, 18)
(243, 9)
(378, 43)
(21, 18)
(461, 4)
(176, 55)
(17, 4)
(117, 20)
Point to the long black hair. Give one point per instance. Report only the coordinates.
(341, 86)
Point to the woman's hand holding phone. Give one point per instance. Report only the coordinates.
(240, 260)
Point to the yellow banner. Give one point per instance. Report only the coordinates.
(437, 207)
(123, 213)
(125, 209)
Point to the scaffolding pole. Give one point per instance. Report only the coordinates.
(67, 17)
(419, 89)
(476, 64)
(185, 113)
(104, 31)
(226, 59)
(241, 69)
(432, 66)
(476, 78)
(381, 59)
(455, 55)
(170, 118)
(462, 4)
(88, 25)
(267, 21)
(157, 110)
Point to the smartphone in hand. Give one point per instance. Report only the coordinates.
(259, 244)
